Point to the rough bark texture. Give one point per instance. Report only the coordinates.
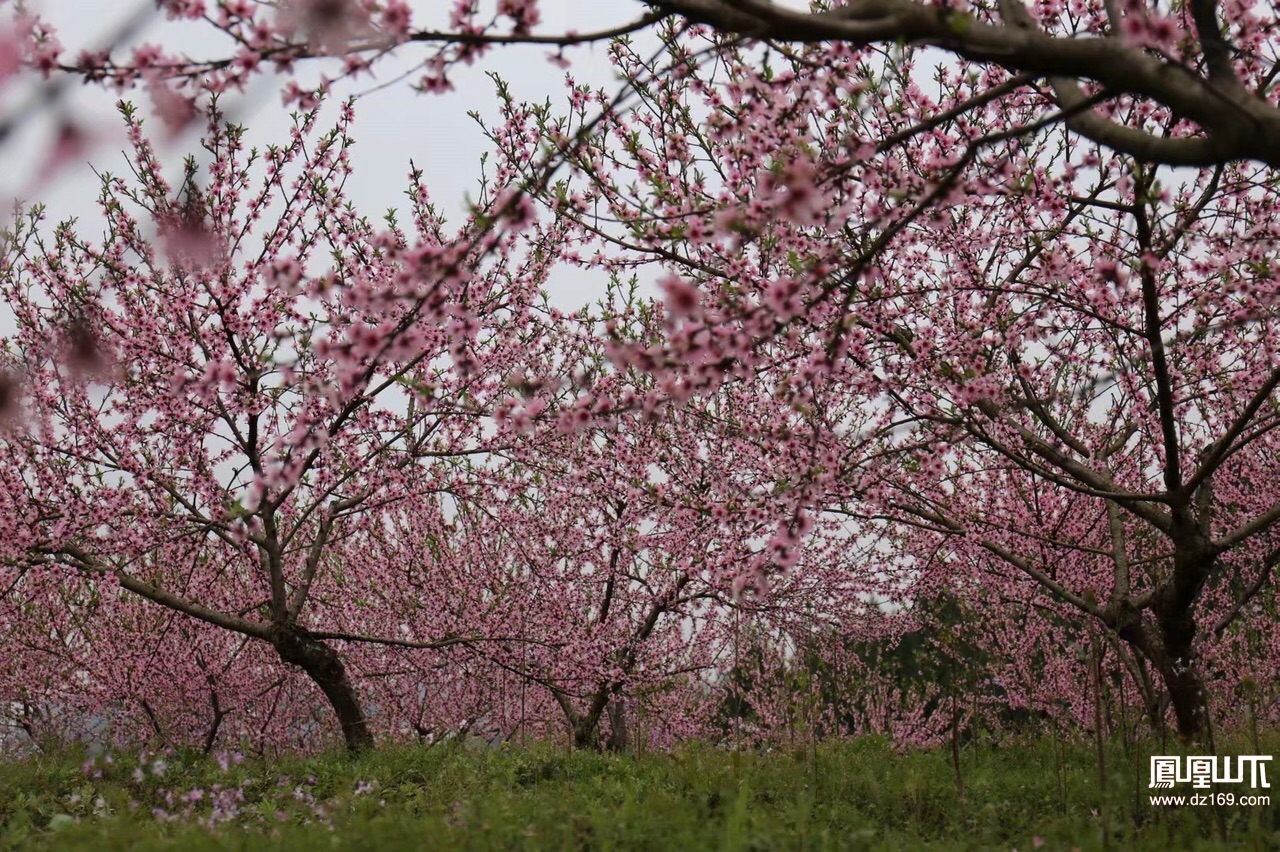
(619, 734)
(1167, 645)
(1177, 669)
(1193, 562)
(323, 665)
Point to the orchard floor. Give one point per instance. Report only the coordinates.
(859, 795)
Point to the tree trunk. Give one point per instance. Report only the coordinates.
(1168, 646)
(619, 736)
(586, 728)
(1187, 693)
(1174, 609)
(323, 665)
(585, 734)
(1165, 634)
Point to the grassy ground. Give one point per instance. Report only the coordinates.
(859, 795)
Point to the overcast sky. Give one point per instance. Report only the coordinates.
(393, 124)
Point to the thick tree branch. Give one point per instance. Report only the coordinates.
(1155, 342)
(1237, 124)
(89, 562)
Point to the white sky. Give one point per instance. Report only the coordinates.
(392, 126)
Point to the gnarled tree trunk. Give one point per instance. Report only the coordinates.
(1187, 692)
(323, 665)
(619, 734)
(1167, 644)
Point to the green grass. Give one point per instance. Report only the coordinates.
(856, 795)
